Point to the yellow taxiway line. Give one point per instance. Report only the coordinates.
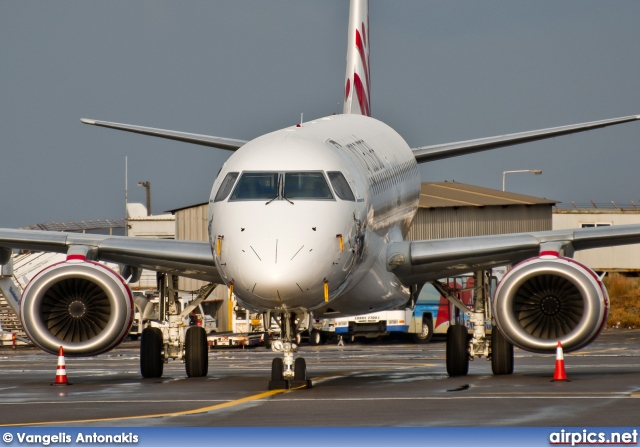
(160, 415)
(206, 409)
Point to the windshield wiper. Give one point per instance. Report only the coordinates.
(282, 192)
(278, 187)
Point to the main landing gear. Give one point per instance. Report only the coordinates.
(463, 344)
(287, 372)
(173, 340)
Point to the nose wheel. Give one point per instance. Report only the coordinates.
(287, 372)
(300, 374)
(277, 378)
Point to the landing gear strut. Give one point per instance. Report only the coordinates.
(287, 372)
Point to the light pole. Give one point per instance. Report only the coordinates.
(147, 185)
(504, 174)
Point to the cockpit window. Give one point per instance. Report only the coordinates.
(270, 186)
(341, 186)
(225, 187)
(306, 185)
(256, 186)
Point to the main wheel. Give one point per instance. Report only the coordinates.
(315, 337)
(300, 369)
(151, 363)
(457, 350)
(501, 353)
(196, 352)
(427, 332)
(277, 366)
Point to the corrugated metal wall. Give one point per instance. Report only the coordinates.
(440, 223)
(191, 225)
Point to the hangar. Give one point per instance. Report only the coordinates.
(452, 209)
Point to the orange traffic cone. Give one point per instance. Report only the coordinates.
(559, 374)
(61, 373)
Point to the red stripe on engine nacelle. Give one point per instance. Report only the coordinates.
(555, 254)
(76, 258)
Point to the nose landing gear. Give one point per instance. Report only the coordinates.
(287, 372)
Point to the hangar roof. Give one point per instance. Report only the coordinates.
(454, 194)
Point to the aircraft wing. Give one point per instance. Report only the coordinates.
(203, 140)
(440, 151)
(185, 258)
(427, 260)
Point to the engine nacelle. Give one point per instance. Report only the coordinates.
(548, 299)
(83, 306)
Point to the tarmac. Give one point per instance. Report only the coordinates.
(392, 383)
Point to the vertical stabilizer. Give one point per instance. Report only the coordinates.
(357, 93)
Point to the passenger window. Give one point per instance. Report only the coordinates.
(256, 186)
(306, 185)
(225, 187)
(341, 186)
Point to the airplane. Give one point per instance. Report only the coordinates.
(312, 219)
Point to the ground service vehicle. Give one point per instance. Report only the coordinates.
(246, 330)
(431, 314)
(415, 322)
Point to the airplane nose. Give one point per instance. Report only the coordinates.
(282, 270)
(279, 255)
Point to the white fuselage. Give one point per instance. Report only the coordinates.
(288, 222)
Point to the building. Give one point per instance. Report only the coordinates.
(139, 224)
(191, 225)
(623, 259)
(452, 209)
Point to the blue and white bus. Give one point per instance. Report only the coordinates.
(430, 315)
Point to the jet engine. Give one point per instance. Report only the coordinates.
(548, 299)
(83, 306)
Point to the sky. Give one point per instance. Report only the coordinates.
(441, 71)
